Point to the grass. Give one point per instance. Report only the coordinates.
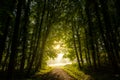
(38, 75)
(88, 74)
(44, 71)
(84, 74)
(73, 71)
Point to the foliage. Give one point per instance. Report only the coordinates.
(86, 30)
(73, 71)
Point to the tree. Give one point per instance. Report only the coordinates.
(14, 45)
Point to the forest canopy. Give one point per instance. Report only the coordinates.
(32, 31)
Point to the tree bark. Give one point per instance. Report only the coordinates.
(13, 55)
(26, 19)
(74, 42)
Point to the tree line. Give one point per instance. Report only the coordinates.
(92, 32)
(95, 29)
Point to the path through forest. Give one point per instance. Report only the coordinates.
(57, 74)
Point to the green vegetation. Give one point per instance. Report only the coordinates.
(73, 71)
(87, 74)
(87, 32)
(43, 71)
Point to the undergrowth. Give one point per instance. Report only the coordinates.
(44, 70)
(73, 71)
(88, 74)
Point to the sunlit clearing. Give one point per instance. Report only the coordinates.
(57, 46)
(59, 61)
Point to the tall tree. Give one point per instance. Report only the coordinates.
(13, 55)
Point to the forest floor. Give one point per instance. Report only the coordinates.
(55, 74)
(70, 72)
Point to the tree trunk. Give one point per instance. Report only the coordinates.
(77, 56)
(26, 19)
(4, 36)
(90, 24)
(13, 55)
(79, 43)
(109, 34)
(88, 51)
(38, 37)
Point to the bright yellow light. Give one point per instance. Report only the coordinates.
(57, 47)
(59, 57)
(59, 61)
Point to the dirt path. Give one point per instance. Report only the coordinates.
(57, 74)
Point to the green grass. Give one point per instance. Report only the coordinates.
(85, 74)
(88, 74)
(73, 71)
(44, 71)
(38, 75)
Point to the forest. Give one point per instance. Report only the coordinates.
(87, 32)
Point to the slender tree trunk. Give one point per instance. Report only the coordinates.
(26, 19)
(101, 28)
(38, 41)
(98, 54)
(13, 55)
(39, 64)
(91, 34)
(88, 51)
(79, 43)
(106, 18)
(77, 56)
(4, 36)
(5, 22)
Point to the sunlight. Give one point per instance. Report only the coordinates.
(59, 61)
(59, 57)
(57, 46)
(60, 50)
